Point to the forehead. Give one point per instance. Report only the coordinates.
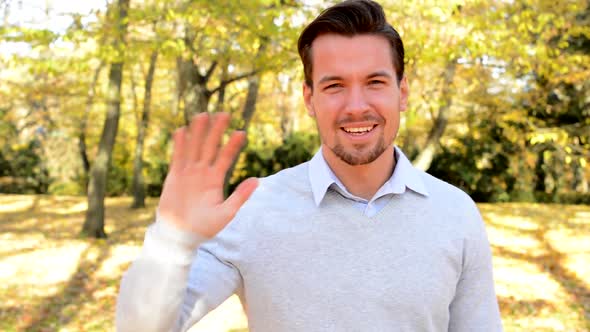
(334, 54)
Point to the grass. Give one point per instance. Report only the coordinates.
(52, 280)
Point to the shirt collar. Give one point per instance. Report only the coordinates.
(404, 176)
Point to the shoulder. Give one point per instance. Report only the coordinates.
(283, 196)
(290, 180)
(452, 203)
(284, 191)
(443, 191)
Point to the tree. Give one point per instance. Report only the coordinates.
(94, 222)
(84, 121)
(138, 185)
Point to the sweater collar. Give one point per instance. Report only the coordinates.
(404, 176)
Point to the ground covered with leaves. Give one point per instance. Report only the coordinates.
(52, 280)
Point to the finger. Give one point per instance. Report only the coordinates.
(211, 146)
(235, 201)
(178, 153)
(230, 151)
(197, 132)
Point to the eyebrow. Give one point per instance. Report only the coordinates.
(380, 73)
(329, 78)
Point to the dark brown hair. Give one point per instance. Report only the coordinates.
(350, 18)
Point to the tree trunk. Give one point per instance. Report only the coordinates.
(84, 123)
(557, 171)
(192, 84)
(286, 120)
(196, 100)
(251, 99)
(249, 106)
(427, 153)
(540, 174)
(221, 94)
(193, 88)
(138, 186)
(579, 183)
(248, 112)
(94, 223)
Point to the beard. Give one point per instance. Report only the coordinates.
(359, 157)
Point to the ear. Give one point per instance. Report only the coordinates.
(403, 94)
(307, 93)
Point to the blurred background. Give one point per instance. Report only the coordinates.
(90, 92)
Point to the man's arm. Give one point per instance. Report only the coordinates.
(475, 306)
(162, 292)
(154, 295)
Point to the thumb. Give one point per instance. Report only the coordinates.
(235, 201)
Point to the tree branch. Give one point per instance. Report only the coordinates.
(210, 71)
(233, 79)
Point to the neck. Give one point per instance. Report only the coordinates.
(362, 180)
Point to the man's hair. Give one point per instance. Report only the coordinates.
(351, 18)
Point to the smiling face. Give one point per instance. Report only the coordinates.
(356, 99)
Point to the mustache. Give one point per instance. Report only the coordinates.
(362, 118)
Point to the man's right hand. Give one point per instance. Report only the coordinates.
(192, 197)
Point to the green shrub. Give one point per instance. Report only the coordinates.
(297, 148)
(22, 170)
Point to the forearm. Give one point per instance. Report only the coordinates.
(152, 290)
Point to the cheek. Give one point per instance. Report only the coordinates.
(387, 101)
(392, 126)
(324, 120)
(326, 109)
(332, 102)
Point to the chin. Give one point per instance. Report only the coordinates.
(357, 159)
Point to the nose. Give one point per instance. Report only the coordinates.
(356, 102)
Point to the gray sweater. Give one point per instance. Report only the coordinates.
(422, 263)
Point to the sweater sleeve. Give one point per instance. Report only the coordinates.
(475, 306)
(168, 287)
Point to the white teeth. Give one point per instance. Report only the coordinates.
(358, 130)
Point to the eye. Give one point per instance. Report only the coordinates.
(376, 82)
(332, 86)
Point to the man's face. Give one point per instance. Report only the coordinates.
(356, 99)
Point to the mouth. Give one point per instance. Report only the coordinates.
(359, 131)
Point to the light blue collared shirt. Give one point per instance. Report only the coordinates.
(404, 176)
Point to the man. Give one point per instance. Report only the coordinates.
(354, 240)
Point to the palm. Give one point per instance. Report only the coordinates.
(192, 197)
